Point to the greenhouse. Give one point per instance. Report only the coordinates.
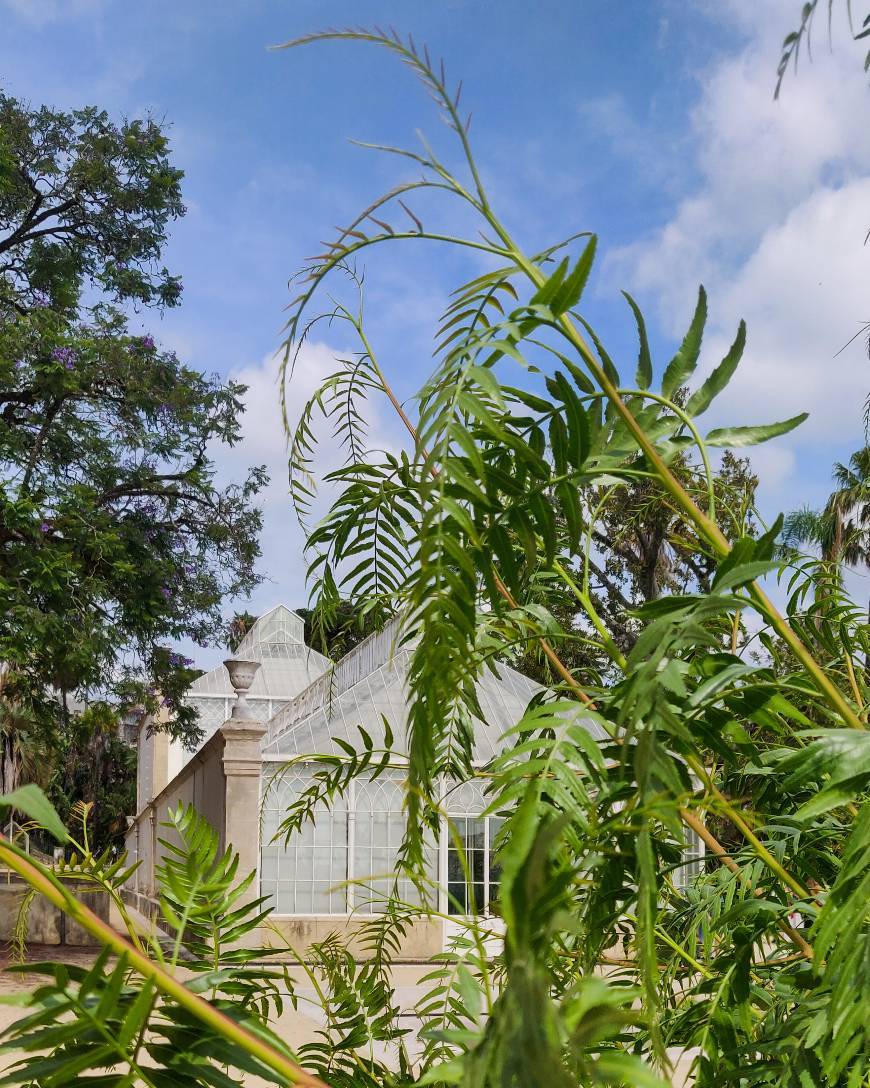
(344, 862)
(341, 866)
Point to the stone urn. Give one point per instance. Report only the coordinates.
(242, 675)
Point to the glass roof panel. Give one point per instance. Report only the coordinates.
(368, 686)
(287, 665)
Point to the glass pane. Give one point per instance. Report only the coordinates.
(475, 834)
(455, 870)
(457, 903)
(475, 898)
(493, 893)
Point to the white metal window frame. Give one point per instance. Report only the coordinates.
(355, 905)
(484, 908)
(349, 826)
(464, 801)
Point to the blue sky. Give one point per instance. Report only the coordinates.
(650, 123)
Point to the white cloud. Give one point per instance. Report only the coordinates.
(775, 229)
(264, 441)
(803, 292)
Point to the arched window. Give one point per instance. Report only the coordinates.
(306, 875)
(378, 830)
(346, 861)
(471, 877)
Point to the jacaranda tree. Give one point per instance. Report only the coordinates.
(115, 534)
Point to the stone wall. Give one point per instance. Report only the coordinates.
(222, 782)
(46, 924)
(424, 939)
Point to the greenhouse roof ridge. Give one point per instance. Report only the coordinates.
(374, 651)
(287, 664)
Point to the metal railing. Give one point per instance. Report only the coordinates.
(362, 660)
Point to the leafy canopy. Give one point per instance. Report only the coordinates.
(116, 533)
(84, 207)
(527, 429)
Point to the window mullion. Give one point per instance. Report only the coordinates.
(350, 869)
(485, 904)
(443, 847)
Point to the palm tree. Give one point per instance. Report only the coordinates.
(24, 756)
(841, 531)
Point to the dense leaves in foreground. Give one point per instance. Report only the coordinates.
(106, 1024)
(725, 719)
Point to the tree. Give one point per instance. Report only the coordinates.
(115, 533)
(641, 548)
(334, 636)
(238, 628)
(24, 754)
(455, 532)
(84, 203)
(336, 633)
(841, 530)
(95, 766)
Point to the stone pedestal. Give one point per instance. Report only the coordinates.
(242, 767)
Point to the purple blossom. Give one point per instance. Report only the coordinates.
(147, 342)
(41, 300)
(45, 527)
(66, 356)
(166, 593)
(19, 364)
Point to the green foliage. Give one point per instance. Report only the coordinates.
(361, 1014)
(84, 204)
(115, 535)
(795, 39)
(721, 719)
(23, 751)
(32, 802)
(840, 529)
(93, 764)
(113, 1024)
(347, 627)
(491, 513)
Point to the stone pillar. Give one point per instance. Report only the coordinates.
(152, 768)
(153, 847)
(242, 766)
